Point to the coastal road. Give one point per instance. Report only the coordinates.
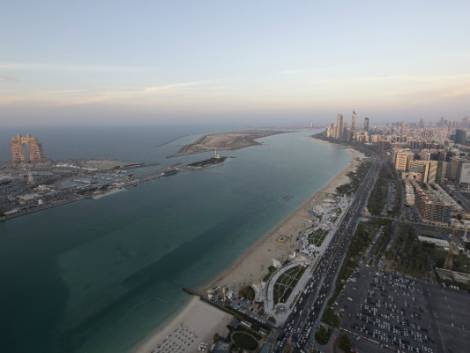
(301, 324)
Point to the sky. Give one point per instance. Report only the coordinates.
(112, 62)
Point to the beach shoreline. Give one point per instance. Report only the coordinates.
(249, 267)
(199, 321)
(293, 222)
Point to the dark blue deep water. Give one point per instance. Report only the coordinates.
(98, 276)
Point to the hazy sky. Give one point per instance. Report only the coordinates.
(125, 61)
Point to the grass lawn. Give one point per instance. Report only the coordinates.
(317, 237)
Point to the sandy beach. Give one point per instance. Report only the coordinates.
(252, 266)
(195, 324)
(204, 320)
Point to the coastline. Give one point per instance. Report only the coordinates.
(197, 318)
(250, 267)
(243, 271)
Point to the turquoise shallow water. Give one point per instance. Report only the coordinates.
(99, 276)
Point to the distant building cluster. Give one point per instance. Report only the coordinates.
(426, 154)
(433, 159)
(340, 130)
(26, 148)
(417, 135)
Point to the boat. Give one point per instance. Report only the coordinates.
(169, 172)
(134, 165)
(216, 159)
(100, 194)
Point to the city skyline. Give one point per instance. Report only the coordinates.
(225, 177)
(267, 61)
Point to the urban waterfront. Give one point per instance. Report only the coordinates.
(99, 276)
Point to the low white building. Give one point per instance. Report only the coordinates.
(436, 241)
(410, 194)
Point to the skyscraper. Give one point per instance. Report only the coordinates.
(330, 130)
(353, 121)
(17, 144)
(366, 124)
(339, 126)
(17, 151)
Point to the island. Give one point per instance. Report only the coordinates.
(226, 141)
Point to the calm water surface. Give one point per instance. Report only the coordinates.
(99, 276)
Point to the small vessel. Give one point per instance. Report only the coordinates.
(100, 194)
(134, 165)
(168, 172)
(216, 159)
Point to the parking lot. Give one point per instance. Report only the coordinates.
(387, 311)
(451, 312)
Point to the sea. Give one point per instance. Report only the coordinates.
(99, 276)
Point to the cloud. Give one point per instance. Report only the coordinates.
(303, 71)
(174, 86)
(73, 68)
(143, 95)
(292, 71)
(235, 94)
(8, 78)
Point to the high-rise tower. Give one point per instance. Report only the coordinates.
(339, 126)
(366, 124)
(16, 148)
(353, 120)
(17, 144)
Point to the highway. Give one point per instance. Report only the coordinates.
(299, 328)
